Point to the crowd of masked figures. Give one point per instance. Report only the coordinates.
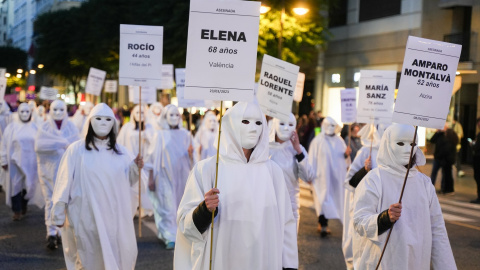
(93, 175)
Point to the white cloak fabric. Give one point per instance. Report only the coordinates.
(326, 157)
(168, 157)
(284, 155)
(255, 227)
(17, 151)
(204, 142)
(419, 236)
(93, 189)
(50, 145)
(128, 137)
(5, 116)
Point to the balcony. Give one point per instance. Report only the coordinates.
(461, 39)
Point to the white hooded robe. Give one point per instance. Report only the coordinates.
(255, 227)
(93, 190)
(419, 239)
(204, 142)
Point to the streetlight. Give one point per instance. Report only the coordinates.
(33, 71)
(19, 70)
(300, 10)
(19, 76)
(40, 66)
(7, 75)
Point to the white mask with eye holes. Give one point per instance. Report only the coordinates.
(24, 112)
(58, 109)
(102, 125)
(251, 127)
(173, 117)
(136, 114)
(401, 144)
(41, 110)
(210, 122)
(284, 129)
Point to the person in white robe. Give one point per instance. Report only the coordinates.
(169, 161)
(91, 199)
(328, 155)
(40, 117)
(128, 137)
(292, 158)
(254, 225)
(153, 116)
(5, 119)
(365, 160)
(52, 139)
(419, 238)
(204, 142)
(81, 115)
(17, 156)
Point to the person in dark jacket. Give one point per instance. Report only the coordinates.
(445, 141)
(476, 163)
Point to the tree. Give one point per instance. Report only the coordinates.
(11, 59)
(302, 35)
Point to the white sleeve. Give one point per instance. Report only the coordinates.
(3, 151)
(367, 198)
(305, 171)
(442, 256)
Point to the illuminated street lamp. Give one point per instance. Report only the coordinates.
(300, 10)
(33, 71)
(19, 70)
(40, 66)
(7, 75)
(19, 76)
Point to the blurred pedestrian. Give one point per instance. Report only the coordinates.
(476, 163)
(445, 141)
(354, 141)
(458, 129)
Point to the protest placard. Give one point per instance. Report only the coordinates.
(95, 80)
(167, 77)
(276, 86)
(348, 100)
(111, 86)
(141, 55)
(2, 72)
(426, 84)
(298, 94)
(3, 87)
(222, 50)
(182, 102)
(376, 96)
(149, 94)
(48, 93)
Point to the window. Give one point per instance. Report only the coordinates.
(376, 9)
(337, 13)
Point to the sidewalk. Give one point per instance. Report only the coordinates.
(465, 187)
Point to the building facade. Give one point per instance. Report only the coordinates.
(372, 34)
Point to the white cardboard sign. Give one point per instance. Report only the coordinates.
(167, 77)
(111, 86)
(149, 94)
(348, 100)
(376, 96)
(141, 49)
(276, 87)
(182, 102)
(298, 94)
(2, 72)
(222, 50)
(95, 80)
(426, 84)
(3, 87)
(48, 93)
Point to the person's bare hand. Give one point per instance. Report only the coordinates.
(296, 142)
(190, 151)
(151, 182)
(368, 164)
(395, 211)
(348, 151)
(211, 199)
(139, 161)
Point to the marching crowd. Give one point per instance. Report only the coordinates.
(84, 170)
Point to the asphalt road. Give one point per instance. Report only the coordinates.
(22, 243)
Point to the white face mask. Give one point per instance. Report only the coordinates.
(173, 117)
(136, 115)
(157, 110)
(87, 108)
(41, 110)
(251, 127)
(24, 113)
(330, 129)
(284, 129)
(58, 111)
(210, 123)
(102, 125)
(401, 145)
